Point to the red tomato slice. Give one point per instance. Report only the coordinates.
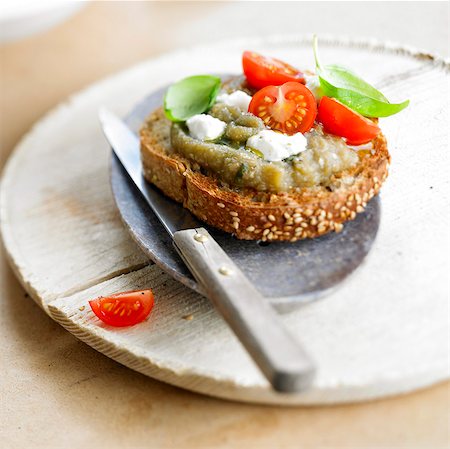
(262, 71)
(342, 121)
(123, 309)
(290, 108)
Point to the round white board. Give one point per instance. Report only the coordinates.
(384, 332)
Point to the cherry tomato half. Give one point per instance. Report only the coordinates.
(123, 309)
(262, 71)
(342, 121)
(290, 108)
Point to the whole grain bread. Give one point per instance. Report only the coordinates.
(252, 215)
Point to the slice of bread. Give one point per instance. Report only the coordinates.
(253, 215)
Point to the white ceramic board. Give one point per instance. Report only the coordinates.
(384, 332)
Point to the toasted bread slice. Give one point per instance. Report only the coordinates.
(253, 215)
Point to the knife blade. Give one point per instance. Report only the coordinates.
(281, 358)
(126, 145)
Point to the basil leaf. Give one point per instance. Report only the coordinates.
(344, 85)
(343, 78)
(363, 104)
(190, 96)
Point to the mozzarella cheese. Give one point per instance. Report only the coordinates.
(276, 146)
(313, 84)
(205, 127)
(239, 99)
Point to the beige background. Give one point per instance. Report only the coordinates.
(57, 392)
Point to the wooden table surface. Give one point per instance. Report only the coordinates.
(56, 392)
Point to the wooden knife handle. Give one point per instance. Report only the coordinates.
(282, 359)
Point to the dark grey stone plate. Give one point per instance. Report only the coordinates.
(286, 273)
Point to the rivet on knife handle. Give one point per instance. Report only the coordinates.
(279, 356)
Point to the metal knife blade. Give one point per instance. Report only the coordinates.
(126, 147)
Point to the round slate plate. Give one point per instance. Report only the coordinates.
(286, 273)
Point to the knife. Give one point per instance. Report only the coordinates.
(281, 358)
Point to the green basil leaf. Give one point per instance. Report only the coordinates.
(363, 104)
(190, 96)
(344, 85)
(343, 78)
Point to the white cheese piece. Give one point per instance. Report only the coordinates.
(239, 99)
(313, 84)
(276, 146)
(205, 127)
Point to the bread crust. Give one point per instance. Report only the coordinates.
(308, 213)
